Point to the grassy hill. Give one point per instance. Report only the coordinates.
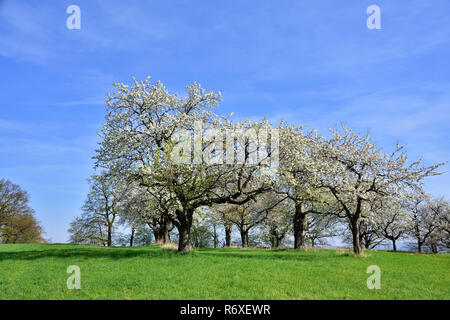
(38, 271)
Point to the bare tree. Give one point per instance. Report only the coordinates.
(425, 219)
(319, 227)
(103, 201)
(278, 223)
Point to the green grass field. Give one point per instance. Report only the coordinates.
(38, 271)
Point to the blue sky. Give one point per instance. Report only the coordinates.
(309, 62)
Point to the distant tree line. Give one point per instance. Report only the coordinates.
(17, 221)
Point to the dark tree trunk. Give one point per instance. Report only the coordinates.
(157, 235)
(419, 246)
(184, 240)
(244, 238)
(109, 241)
(227, 236)
(434, 248)
(165, 233)
(160, 231)
(299, 227)
(272, 241)
(273, 237)
(184, 229)
(394, 245)
(356, 236)
(132, 236)
(278, 242)
(215, 236)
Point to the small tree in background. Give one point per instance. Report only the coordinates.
(100, 210)
(320, 227)
(278, 223)
(428, 223)
(88, 229)
(390, 220)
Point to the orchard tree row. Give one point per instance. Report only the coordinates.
(291, 181)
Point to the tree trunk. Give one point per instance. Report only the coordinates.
(419, 246)
(165, 233)
(244, 238)
(272, 241)
(215, 236)
(184, 240)
(278, 242)
(227, 236)
(160, 231)
(356, 236)
(184, 229)
(299, 227)
(434, 248)
(109, 236)
(132, 236)
(394, 245)
(157, 236)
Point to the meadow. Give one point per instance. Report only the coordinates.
(39, 271)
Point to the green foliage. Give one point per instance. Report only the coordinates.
(21, 229)
(201, 236)
(17, 221)
(142, 237)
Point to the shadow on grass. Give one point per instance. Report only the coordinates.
(88, 253)
(274, 254)
(263, 257)
(116, 253)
